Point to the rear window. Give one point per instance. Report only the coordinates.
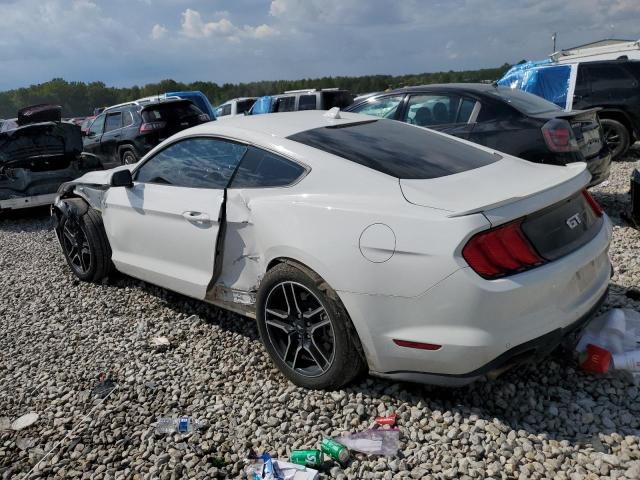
(340, 99)
(170, 111)
(397, 149)
(525, 102)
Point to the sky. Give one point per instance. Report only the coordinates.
(129, 42)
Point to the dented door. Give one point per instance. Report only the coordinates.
(166, 228)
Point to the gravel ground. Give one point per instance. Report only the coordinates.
(544, 421)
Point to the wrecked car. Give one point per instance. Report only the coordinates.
(37, 156)
(356, 243)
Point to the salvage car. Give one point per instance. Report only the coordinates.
(357, 243)
(306, 99)
(122, 134)
(511, 121)
(38, 152)
(234, 107)
(612, 86)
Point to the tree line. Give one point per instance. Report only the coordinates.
(79, 98)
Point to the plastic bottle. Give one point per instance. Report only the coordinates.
(629, 361)
(178, 425)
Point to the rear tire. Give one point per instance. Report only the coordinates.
(128, 156)
(616, 136)
(85, 245)
(306, 329)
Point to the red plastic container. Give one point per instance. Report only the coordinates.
(596, 359)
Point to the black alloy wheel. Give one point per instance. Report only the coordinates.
(299, 329)
(76, 246)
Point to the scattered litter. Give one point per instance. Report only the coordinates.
(373, 441)
(389, 420)
(25, 443)
(25, 421)
(104, 387)
(338, 451)
(160, 344)
(5, 423)
(611, 341)
(266, 468)
(308, 458)
(178, 424)
(595, 359)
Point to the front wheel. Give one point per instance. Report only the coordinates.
(306, 330)
(616, 136)
(85, 245)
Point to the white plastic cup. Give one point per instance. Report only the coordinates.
(629, 361)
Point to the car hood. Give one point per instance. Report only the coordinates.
(505, 181)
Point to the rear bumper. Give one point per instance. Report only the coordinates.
(599, 167)
(529, 351)
(481, 325)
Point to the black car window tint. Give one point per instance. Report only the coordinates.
(260, 168)
(340, 99)
(113, 122)
(307, 102)
(285, 104)
(244, 105)
(383, 107)
(174, 111)
(397, 149)
(431, 109)
(609, 77)
(195, 162)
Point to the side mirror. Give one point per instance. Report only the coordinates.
(122, 178)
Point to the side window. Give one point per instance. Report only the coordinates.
(244, 105)
(226, 109)
(285, 104)
(609, 77)
(195, 162)
(127, 119)
(113, 122)
(582, 81)
(488, 113)
(431, 109)
(307, 102)
(466, 108)
(260, 169)
(97, 126)
(383, 107)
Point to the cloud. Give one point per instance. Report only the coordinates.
(158, 31)
(194, 27)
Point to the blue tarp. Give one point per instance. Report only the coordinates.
(547, 80)
(262, 105)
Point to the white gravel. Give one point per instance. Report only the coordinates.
(544, 421)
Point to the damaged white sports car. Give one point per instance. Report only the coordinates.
(356, 243)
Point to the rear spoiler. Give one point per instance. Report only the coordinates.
(576, 114)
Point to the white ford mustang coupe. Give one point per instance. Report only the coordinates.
(356, 243)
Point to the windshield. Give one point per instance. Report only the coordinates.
(397, 149)
(525, 102)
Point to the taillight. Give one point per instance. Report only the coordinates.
(559, 136)
(147, 127)
(595, 206)
(501, 251)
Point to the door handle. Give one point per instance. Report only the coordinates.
(196, 216)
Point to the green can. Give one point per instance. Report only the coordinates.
(308, 458)
(335, 450)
